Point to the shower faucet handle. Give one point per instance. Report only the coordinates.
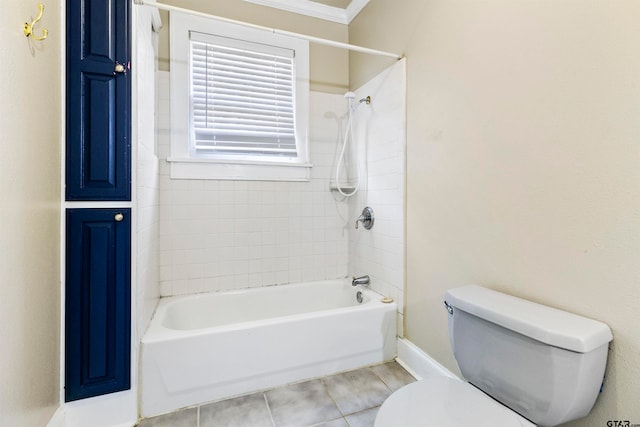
(366, 218)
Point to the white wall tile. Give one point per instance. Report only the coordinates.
(379, 135)
(217, 235)
(147, 179)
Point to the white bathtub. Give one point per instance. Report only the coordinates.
(206, 347)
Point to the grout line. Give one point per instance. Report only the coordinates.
(266, 401)
(329, 421)
(326, 389)
(381, 379)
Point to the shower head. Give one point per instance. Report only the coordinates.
(351, 96)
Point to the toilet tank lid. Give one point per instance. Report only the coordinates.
(539, 322)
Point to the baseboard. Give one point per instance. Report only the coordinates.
(58, 419)
(418, 363)
(111, 410)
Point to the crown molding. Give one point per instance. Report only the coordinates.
(317, 10)
(354, 8)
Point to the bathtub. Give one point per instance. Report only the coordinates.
(206, 347)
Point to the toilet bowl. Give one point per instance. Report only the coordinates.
(525, 364)
(445, 402)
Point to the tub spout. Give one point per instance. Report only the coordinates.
(362, 280)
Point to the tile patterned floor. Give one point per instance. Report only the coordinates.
(350, 399)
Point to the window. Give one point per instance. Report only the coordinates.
(241, 98)
(239, 102)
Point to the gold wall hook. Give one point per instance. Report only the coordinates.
(28, 28)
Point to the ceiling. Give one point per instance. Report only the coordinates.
(341, 11)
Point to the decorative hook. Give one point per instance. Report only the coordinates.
(28, 28)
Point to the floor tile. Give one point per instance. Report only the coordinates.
(183, 418)
(357, 390)
(340, 422)
(357, 394)
(245, 411)
(364, 418)
(302, 404)
(393, 375)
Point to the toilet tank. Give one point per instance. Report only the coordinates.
(546, 364)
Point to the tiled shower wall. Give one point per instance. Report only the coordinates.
(147, 190)
(222, 234)
(379, 131)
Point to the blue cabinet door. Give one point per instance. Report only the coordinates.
(98, 89)
(97, 302)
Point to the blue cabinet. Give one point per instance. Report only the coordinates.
(97, 302)
(98, 168)
(98, 92)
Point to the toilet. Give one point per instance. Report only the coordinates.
(525, 364)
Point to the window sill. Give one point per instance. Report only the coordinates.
(189, 168)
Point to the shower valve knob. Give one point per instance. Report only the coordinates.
(366, 218)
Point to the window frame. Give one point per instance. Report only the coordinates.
(183, 161)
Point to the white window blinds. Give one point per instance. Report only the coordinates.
(242, 98)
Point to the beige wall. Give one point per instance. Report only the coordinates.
(30, 123)
(523, 169)
(329, 66)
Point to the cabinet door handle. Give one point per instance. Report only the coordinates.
(118, 217)
(120, 69)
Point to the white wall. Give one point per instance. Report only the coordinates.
(379, 132)
(523, 148)
(217, 234)
(31, 123)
